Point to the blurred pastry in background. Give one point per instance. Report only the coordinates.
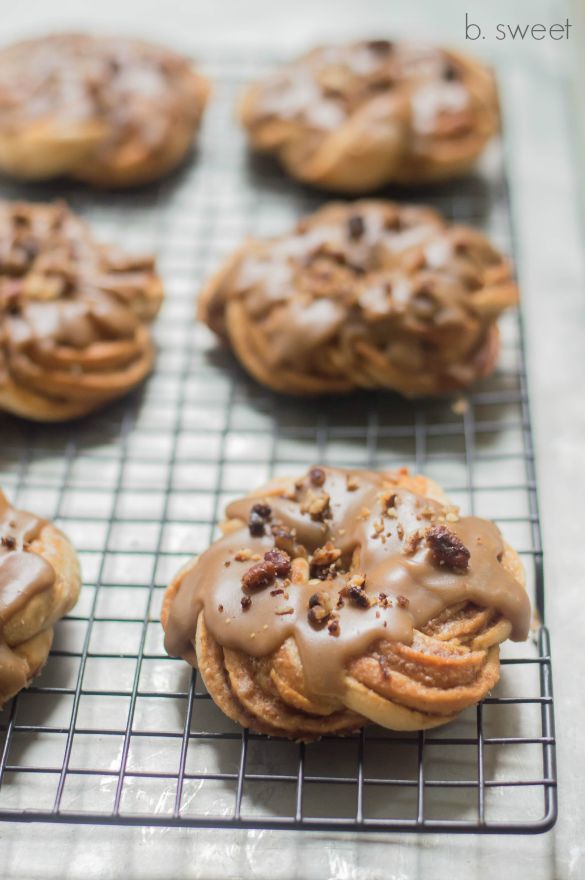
(39, 583)
(353, 118)
(345, 597)
(74, 315)
(369, 294)
(108, 111)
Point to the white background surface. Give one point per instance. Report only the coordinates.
(552, 278)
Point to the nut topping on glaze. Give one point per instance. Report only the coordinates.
(259, 516)
(447, 549)
(281, 562)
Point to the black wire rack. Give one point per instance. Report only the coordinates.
(114, 731)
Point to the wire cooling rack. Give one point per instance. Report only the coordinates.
(114, 731)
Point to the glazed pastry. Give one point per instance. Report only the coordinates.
(353, 118)
(74, 315)
(368, 294)
(346, 597)
(109, 111)
(39, 583)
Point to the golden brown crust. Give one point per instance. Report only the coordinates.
(112, 112)
(369, 294)
(451, 663)
(352, 118)
(27, 618)
(74, 315)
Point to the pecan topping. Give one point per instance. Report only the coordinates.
(390, 500)
(356, 226)
(380, 46)
(259, 515)
(358, 596)
(324, 560)
(245, 602)
(450, 72)
(411, 543)
(447, 548)
(316, 505)
(259, 576)
(351, 483)
(317, 476)
(9, 542)
(284, 539)
(402, 601)
(320, 607)
(264, 511)
(280, 561)
(333, 627)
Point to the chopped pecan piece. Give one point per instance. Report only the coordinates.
(320, 607)
(389, 499)
(324, 558)
(9, 542)
(255, 525)
(333, 627)
(380, 46)
(351, 483)
(263, 510)
(316, 505)
(356, 226)
(286, 540)
(358, 596)
(245, 602)
(450, 72)
(259, 515)
(259, 576)
(280, 560)
(411, 543)
(317, 476)
(447, 548)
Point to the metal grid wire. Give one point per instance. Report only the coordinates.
(114, 731)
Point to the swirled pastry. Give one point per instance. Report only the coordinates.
(346, 597)
(352, 118)
(74, 315)
(368, 294)
(39, 583)
(110, 111)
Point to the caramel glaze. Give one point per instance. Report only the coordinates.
(381, 533)
(399, 277)
(23, 574)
